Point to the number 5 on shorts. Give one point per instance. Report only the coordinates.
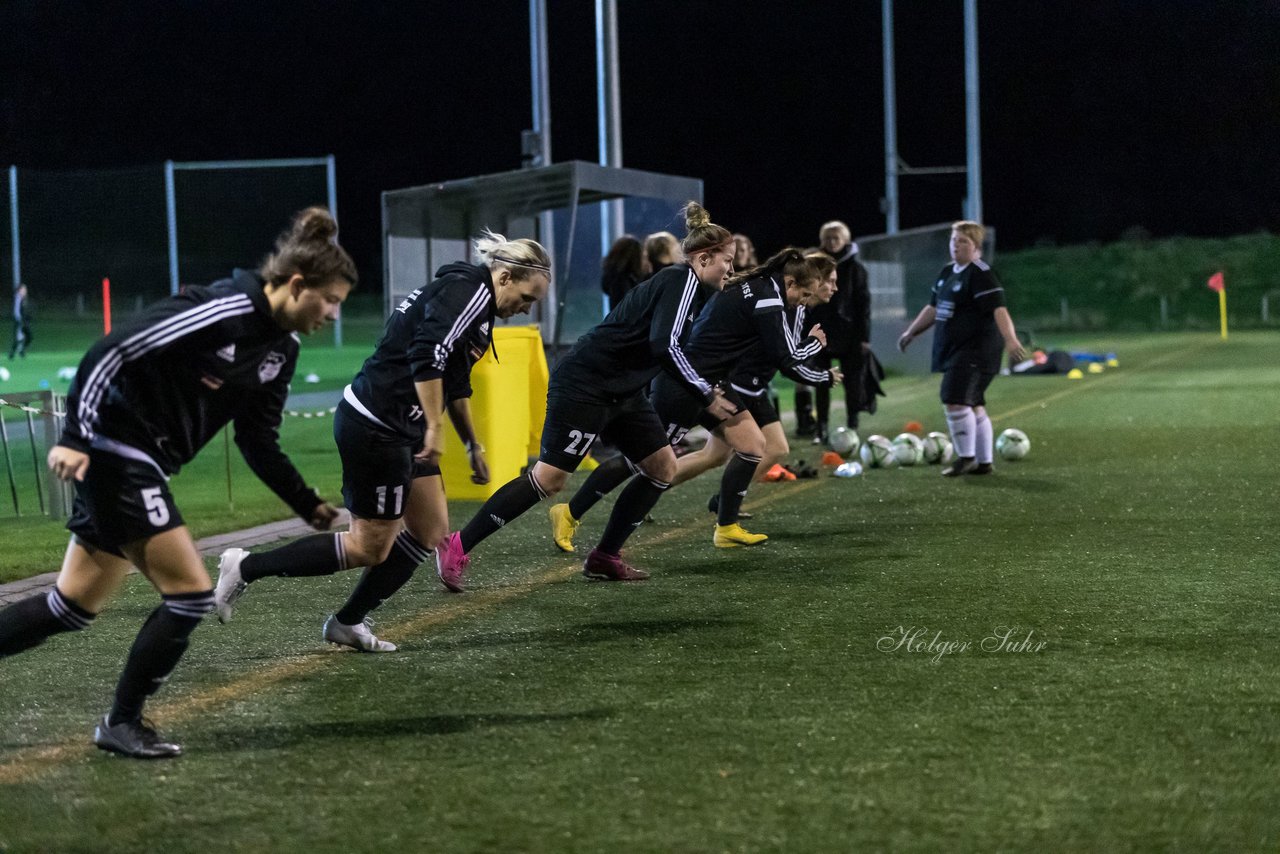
(157, 510)
(579, 443)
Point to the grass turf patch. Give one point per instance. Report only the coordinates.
(754, 699)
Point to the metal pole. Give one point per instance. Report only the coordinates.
(541, 84)
(609, 118)
(542, 131)
(973, 158)
(890, 124)
(171, 214)
(8, 463)
(331, 180)
(13, 226)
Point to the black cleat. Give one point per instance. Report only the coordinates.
(133, 738)
(713, 506)
(982, 468)
(963, 465)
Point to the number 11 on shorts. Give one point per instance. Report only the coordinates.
(381, 492)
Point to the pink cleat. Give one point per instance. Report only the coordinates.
(600, 566)
(451, 562)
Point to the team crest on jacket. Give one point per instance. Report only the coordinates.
(270, 367)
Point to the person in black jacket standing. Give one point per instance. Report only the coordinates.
(145, 399)
(598, 391)
(21, 323)
(847, 322)
(390, 436)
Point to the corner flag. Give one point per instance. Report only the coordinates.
(1217, 282)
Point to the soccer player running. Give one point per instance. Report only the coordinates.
(597, 391)
(749, 316)
(967, 304)
(144, 401)
(390, 435)
(751, 378)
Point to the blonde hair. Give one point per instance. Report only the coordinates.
(309, 247)
(821, 263)
(703, 234)
(975, 231)
(837, 226)
(522, 258)
(661, 243)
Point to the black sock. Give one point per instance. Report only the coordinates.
(318, 554)
(635, 502)
(509, 502)
(29, 622)
(607, 477)
(379, 583)
(156, 651)
(733, 486)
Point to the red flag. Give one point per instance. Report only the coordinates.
(1217, 282)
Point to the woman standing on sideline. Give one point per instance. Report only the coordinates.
(390, 435)
(598, 391)
(967, 305)
(148, 397)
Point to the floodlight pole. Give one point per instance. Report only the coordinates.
(973, 159)
(609, 120)
(537, 146)
(13, 226)
(890, 123)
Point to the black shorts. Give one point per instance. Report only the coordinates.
(121, 501)
(760, 407)
(378, 467)
(965, 384)
(680, 411)
(572, 426)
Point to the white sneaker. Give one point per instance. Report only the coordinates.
(231, 585)
(358, 637)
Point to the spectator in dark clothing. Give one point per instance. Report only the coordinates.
(21, 323)
(847, 322)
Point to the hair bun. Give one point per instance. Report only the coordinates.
(315, 224)
(695, 216)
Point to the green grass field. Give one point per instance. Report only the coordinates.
(755, 700)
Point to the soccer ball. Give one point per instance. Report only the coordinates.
(853, 468)
(907, 449)
(1013, 445)
(878, 453)
(937, 448)
(843, 441)
(4, 375)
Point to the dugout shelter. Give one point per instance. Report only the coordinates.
(564, 206)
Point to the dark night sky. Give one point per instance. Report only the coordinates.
(1096, 116)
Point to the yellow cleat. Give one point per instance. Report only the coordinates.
(563, 526)
(732, 536)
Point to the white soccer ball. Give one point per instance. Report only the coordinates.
(907, 449)
(937, 448)
(66, 373)
(878, 453)
(4, 374)
(1012, 445)
(843, 441)
(853, 468)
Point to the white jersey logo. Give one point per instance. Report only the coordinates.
(270, 367)
(415, 412)
(228, 353)
(484, 328)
